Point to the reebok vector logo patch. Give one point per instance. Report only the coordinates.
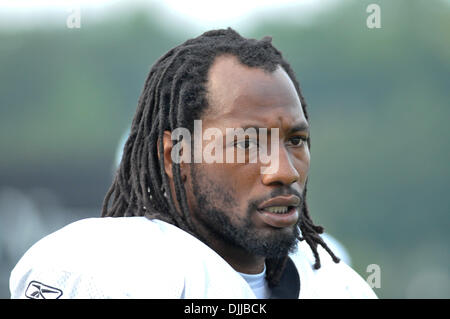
(37, 290)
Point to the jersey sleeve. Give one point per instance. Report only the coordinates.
(356, 287)
(45, 282)
(332, 280)
(74, 262)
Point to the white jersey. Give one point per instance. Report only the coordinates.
(134, 257)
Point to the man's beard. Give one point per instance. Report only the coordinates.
(214, 210)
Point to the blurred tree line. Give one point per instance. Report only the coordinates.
(378, 102)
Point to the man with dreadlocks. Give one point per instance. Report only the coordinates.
(196, 229)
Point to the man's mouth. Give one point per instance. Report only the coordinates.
(278, 209)
(281, 211)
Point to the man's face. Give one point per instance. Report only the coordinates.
(234, 204)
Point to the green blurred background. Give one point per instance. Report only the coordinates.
(379, 108)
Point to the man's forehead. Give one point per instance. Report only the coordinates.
(239, 92)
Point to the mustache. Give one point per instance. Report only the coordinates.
(282, 191)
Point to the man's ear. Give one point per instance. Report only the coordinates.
(168, 163)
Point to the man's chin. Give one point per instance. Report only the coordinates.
(273, 243)
(274, 233)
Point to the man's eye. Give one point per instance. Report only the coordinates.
(246, 144)
(297, 140)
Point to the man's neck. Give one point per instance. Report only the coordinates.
(239, 259)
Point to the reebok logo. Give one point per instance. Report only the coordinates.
(37, 290)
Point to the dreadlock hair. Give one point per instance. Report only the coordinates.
(174, 95)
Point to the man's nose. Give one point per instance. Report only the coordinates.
(286, 174)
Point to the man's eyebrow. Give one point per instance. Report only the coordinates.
(298, 127)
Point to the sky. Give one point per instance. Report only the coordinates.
(197, 13)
